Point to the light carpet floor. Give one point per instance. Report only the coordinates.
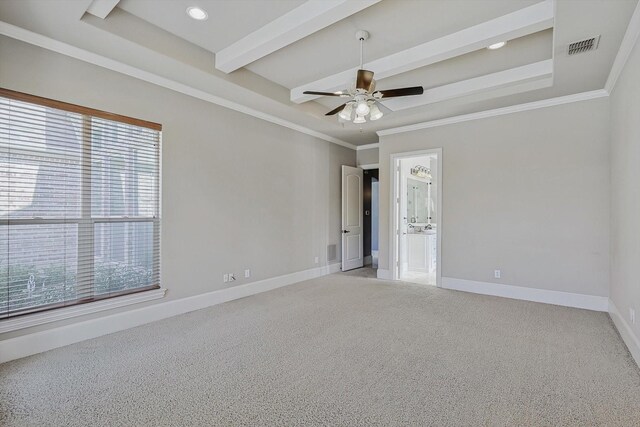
(342, 350)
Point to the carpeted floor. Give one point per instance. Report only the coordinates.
(340, 350)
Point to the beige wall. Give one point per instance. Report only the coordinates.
(527, 193)
(367, 157)
(238, 192)
(625, 191)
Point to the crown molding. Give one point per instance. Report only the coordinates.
(367, 146)
(577, 97)
(66, 49)
(628, 42)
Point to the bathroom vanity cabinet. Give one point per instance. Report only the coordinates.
(421, 252)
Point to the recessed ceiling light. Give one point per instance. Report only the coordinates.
(496, 45)
(197, 13)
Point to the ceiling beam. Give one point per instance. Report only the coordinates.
(102, 8)
(304, 20)
(536, 71)
(525, 21)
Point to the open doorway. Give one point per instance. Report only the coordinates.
(370, 197)
(416, 231)
(360, 197)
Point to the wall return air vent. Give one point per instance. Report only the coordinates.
(585, 45)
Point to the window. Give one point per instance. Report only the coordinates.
(79, 204)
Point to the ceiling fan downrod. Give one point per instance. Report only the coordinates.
(362, 35)
(363, 97)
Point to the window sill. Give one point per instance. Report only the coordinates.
(29, 320)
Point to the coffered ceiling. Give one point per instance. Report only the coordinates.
(262, 54)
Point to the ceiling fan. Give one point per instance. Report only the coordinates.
(363, 95)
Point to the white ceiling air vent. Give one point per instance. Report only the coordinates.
(585, 45)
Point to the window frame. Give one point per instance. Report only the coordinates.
(86, 223)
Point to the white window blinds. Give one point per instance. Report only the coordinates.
(79, 204)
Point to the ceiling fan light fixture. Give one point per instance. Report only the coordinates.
(375, 113)
(362, 109)
(496, 45)
(197, 13)
(362, 95)
(345, 114)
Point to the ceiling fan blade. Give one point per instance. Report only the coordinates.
(313, 92)
(365, 77)
(336, 110)
(405, 91)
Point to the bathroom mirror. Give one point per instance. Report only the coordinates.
(420, 207)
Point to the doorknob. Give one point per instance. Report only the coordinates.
(345, 231)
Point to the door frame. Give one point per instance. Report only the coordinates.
(394, 212)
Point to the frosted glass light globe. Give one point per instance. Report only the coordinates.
(363, 108)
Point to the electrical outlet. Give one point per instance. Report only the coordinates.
(225, 278)
(316, 260)
(247, 273)
(632, 316)
(232, 277)
(497, 274)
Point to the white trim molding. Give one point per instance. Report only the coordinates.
(395, 258)
(367, 146)
(551, 102)
(370, 166)
(384, 274)
(336, 267)
(62, 48)
(28, 320)
(629, 338)
(566, 299)
(26, 345)
(628, 42)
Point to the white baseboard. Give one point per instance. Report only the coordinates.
(567, 299)
(26, 345)
(384, 274)
(49, 316)
(629, 338)
(334, 268)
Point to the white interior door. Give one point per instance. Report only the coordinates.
(351, 218)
